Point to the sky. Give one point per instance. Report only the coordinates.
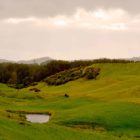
(69, 29)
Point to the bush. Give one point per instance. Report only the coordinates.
(64, 77)
(72, 74)
(91, 72)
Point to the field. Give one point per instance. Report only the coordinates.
(107, 108)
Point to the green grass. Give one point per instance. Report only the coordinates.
(104, 109)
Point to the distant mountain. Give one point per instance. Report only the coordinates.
(4, 61)
(135, 59)
(36, 60)
(32, 61)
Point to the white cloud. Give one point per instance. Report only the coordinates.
(100, 19)
(20, 20)
(116, 26)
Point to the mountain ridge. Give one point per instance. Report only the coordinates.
(47, 59)
(30, 61)
(135, 58)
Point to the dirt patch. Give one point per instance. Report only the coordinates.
(86, 125)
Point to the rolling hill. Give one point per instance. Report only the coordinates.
(107, 108)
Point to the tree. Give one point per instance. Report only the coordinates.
(13, 78)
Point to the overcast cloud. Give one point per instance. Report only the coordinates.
(75, 29)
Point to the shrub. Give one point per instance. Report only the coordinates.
(72, 74)
(91, 72)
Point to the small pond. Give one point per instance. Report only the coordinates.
(37, 118)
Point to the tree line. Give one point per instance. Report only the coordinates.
(23, 75)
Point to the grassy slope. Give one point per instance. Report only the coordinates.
(104, 109)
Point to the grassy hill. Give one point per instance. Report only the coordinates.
(107, 108)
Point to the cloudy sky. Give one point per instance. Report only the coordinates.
(69, 29)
